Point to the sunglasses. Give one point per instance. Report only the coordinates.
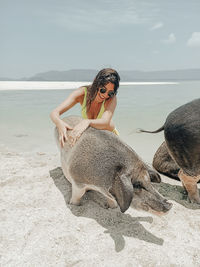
(110, 93)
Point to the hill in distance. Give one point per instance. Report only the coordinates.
(126, 76)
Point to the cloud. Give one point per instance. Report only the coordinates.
(171, 39)
(194, 40)
(157, 26)
(101, 15)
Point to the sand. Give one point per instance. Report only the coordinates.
(39, 227)
(39, 85)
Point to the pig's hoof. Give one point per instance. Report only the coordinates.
(75, 202)
(112, 204)
(194, 200)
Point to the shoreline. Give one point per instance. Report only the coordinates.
(54, 85)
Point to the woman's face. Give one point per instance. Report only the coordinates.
(105, 92)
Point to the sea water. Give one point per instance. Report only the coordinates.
(25, 124)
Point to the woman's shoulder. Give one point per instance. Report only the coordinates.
(80, 93)
(80, 89)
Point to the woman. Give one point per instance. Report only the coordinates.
(98, 103)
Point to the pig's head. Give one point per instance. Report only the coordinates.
(139, 190)
(146, 197)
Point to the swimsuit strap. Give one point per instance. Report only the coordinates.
(84, 109)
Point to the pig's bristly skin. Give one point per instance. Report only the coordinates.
(101, 161)
(182, 136)
(164, 163)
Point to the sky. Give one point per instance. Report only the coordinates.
(42, 35)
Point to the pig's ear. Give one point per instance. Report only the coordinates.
(122, 189)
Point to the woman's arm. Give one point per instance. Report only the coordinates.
(75, 97)
(71, 100)
(104, 123)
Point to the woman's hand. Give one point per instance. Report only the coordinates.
(76, 133)
(62, 130)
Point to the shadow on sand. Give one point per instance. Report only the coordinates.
(117, 224)
(176, 193)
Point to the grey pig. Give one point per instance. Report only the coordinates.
(101, 161)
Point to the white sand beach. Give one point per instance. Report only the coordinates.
(38, 85)
(40, 228)
(143, 59)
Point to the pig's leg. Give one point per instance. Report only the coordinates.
(190, 184)
(65, 171)
(112, 203)
(77, 193)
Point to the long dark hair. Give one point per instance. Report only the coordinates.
(103, 77)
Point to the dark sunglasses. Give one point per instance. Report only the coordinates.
(110, 94)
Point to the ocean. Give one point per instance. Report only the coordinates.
(25, 125)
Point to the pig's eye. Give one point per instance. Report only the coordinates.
(138, 185)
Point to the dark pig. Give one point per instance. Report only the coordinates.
(164, 163)
(182, 136)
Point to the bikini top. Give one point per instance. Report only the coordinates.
(84, 110)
